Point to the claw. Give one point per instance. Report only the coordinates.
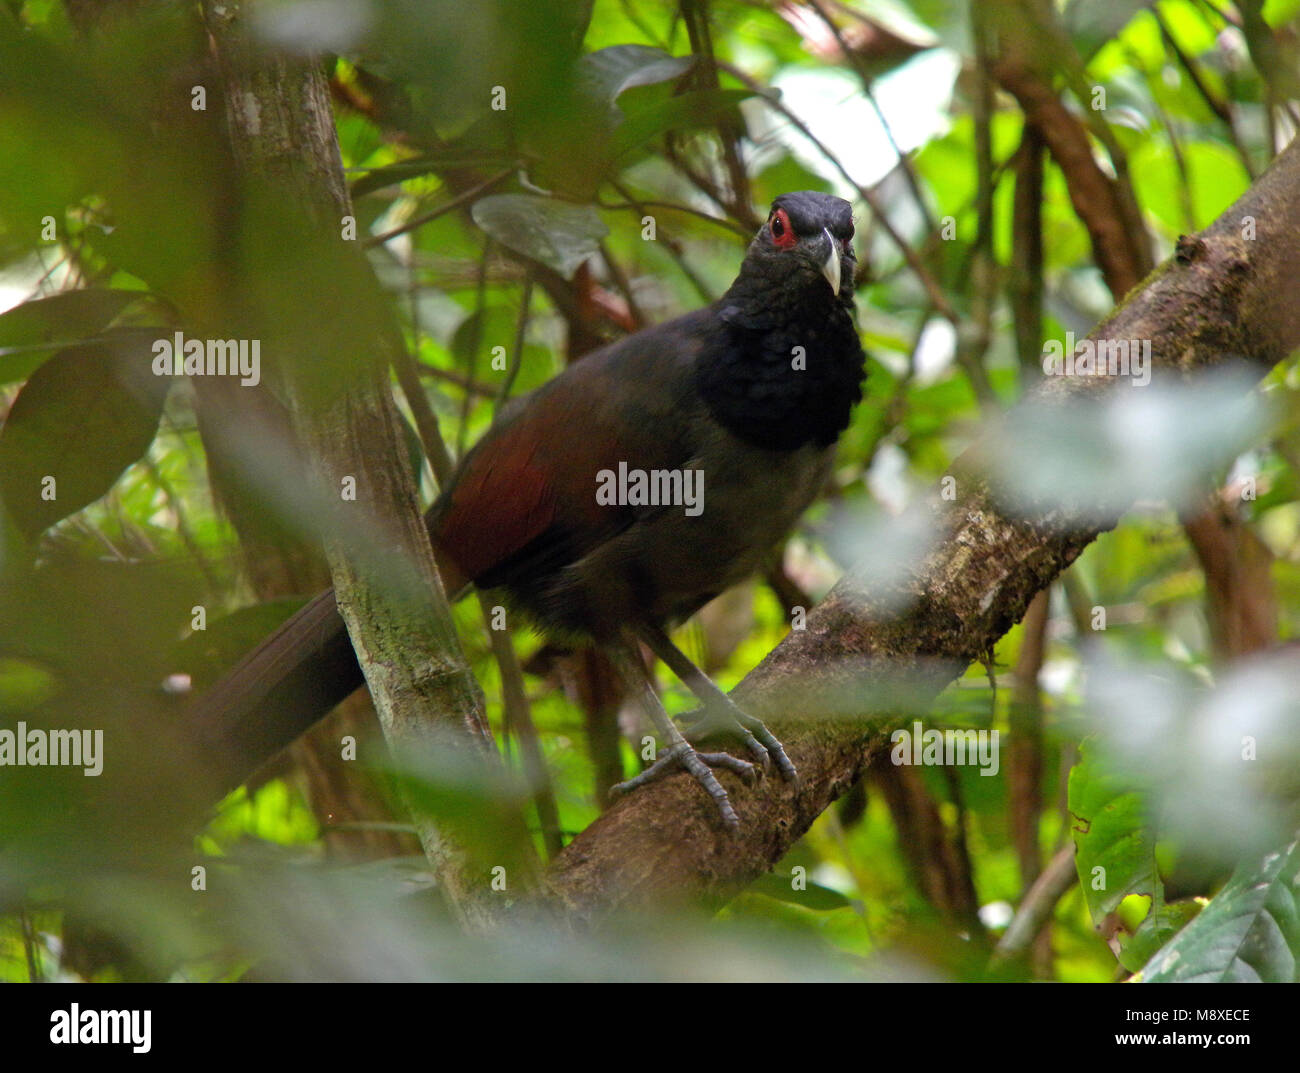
(724, 717)
(772, 747)
(720, 711)
(683, 755)
(720, 714)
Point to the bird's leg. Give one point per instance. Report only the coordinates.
(679, 753)
(720, 711)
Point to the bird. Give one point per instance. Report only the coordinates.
(617, 499)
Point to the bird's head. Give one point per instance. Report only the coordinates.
(800, 261)
(807, 235)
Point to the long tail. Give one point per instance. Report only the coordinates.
(290, 681)
(278, 691)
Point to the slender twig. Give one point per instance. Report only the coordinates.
(1224, 15)
(517, 711)
(973, 344)
(408, 378)
(518, 718)
(634, 17)
(450, 206)
(696, 16)
(966, 874)
(1024, 763)
(182, 524)
(460, 380)
(904, 161)
(1025, 280)
(29, 948)
(1175, 146)
(1220, 108)
(426, 421)
(783, 586)
(1037, 906)
(670, 244)
(641, 206)
(39, 286)
(475, 336)
(521, 329)
(624, 285)
(79, 523)
(705, 184)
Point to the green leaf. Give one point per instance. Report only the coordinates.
(1116, 851)
(607, 72)
(789, 173)
(556, 233)
(814, 896)
(59, 320)
(1154, 931)
(1092, 23)
(701, 108)
(81, 418)
(1250, 931)
(24, 685)
(1114, 848)
(400, 172)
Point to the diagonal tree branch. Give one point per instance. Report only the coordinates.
(1224, 296)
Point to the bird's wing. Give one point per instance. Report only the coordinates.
(524, 500)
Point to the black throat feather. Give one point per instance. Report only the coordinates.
(755, 381)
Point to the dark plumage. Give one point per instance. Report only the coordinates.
(723, 392)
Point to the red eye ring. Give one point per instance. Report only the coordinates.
(783, 236)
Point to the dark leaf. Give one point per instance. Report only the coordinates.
(81, 419)
(59, 320)
(556, 233)
(606, 73)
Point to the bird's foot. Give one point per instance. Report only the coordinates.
(682, 755)
(723, 716)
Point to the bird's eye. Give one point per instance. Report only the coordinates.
(782, 233)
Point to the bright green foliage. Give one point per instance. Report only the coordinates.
(532, 176)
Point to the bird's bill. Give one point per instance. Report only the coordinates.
(831, 266)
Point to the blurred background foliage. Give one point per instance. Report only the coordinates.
(530, 180)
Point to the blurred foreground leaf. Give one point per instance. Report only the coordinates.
(79, 421)
(1249, 933)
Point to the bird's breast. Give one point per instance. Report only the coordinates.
(673, 558)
